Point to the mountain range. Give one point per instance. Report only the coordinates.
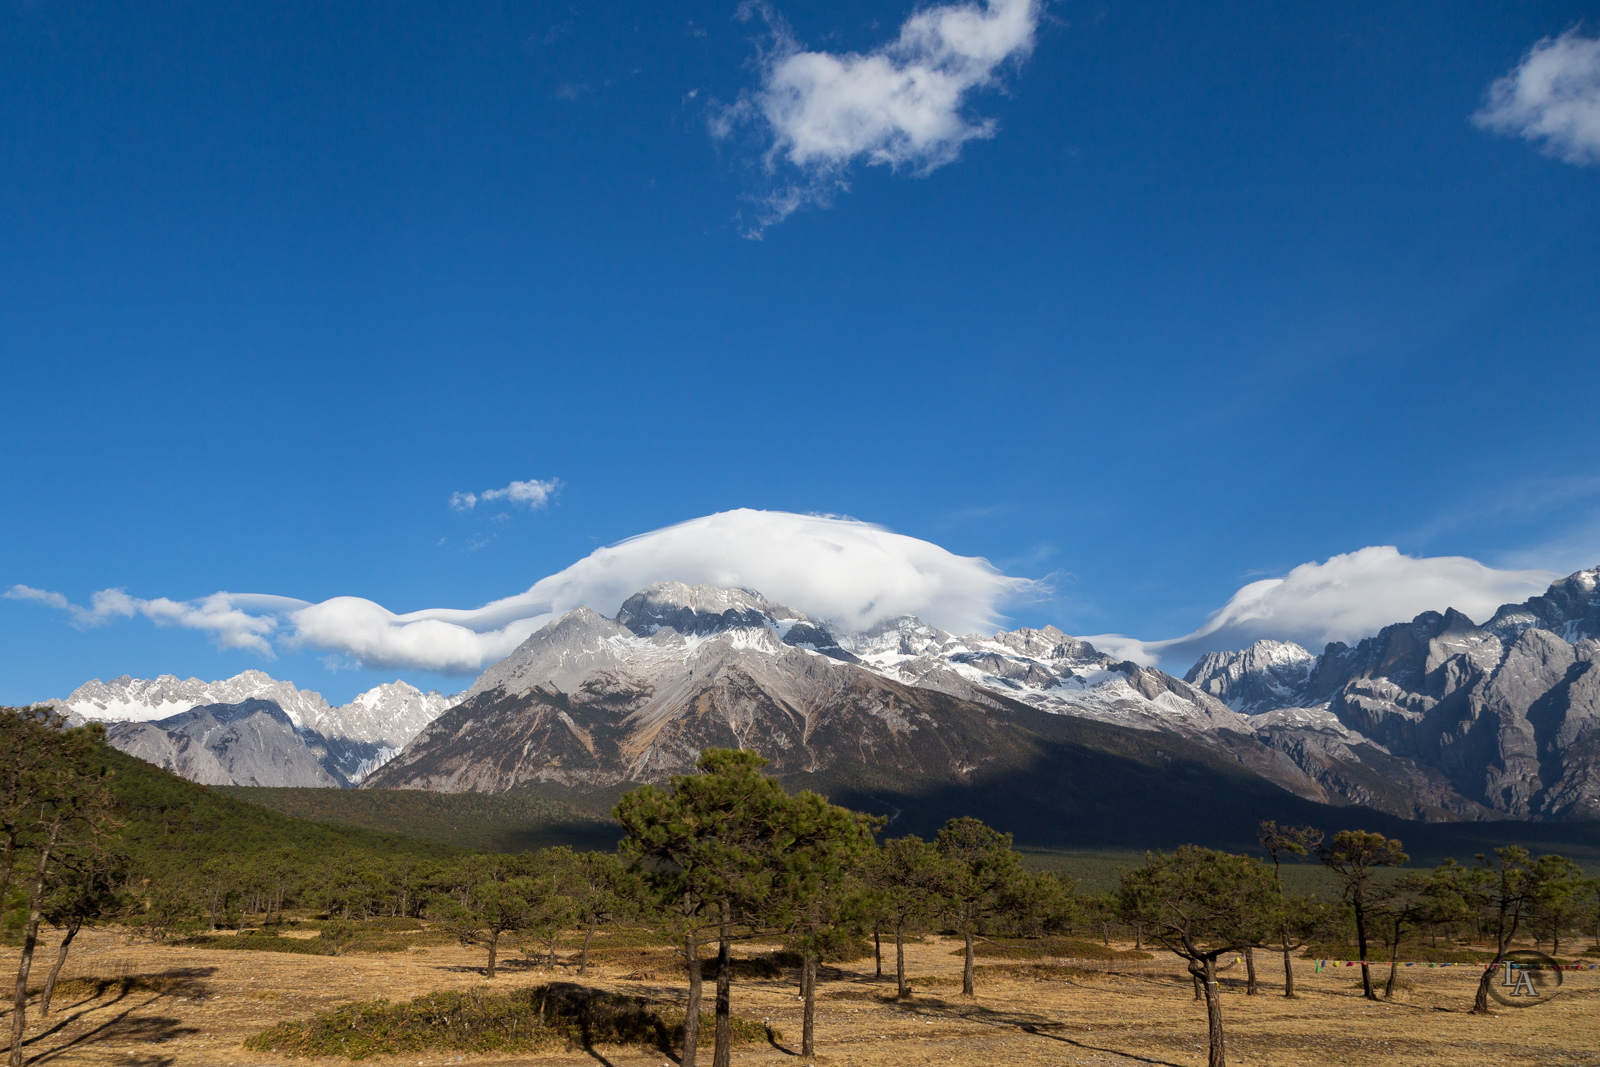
(253, 729)
(1435, 719)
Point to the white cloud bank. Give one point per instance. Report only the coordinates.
(899, 105)
(852, 573)
(532, 494)
(1552, 96)
(1349, 597)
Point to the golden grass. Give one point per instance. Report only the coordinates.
(172, 1006)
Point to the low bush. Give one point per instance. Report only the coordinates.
(304, 946)
(1044, 948)
(556, 1015)
(1409, 953)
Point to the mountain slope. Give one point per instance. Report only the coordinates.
(249, 743)
(592, 703)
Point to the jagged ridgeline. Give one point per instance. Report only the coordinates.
(1435, 720)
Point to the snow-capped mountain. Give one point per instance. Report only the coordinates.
(128, 699)
(592, 702)
(346, 743)
(1435, 718)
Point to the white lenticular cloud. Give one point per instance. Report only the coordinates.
(842, 570)
(1553, 96)
(532, 494)
(1349, 597)
(900, 105)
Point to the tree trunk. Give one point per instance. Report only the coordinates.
(877, 948)
(1288, 965)
(1199, 986)
(722, 1054)
(30, 941)
(966, 967)
(1105, 934)
(550, 959)
(1250, 970)
(1394, 964)
(55, 969)
(808, 1024)
(1138, 936)
(494, 948)
(1214, 1015)
(903, 991)
(1503, 937)
(1361, 944)
(583, 961)
(691, 1018)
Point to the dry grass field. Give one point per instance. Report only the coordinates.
(138, 1005)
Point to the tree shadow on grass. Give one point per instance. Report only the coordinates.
(154, 1029)
(1065, 1040)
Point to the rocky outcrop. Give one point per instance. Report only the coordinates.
(1267, 675)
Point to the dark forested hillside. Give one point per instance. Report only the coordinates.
(498, 822)
(170, 822)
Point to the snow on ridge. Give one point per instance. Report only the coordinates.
(393, 712)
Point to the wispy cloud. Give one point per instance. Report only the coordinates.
(532, 494)
(901, 105)
(1553, 97)
(229, 621)
(844, 570)
(1344, 598)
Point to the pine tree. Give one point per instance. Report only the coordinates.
(705, 846)
(1201, 904)
(1352, 856)
(977, 867)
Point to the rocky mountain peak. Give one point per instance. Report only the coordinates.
(1266, 676)
(700, 609)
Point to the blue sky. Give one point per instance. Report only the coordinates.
(1225, 289)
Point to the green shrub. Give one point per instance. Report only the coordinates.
(556, 1015)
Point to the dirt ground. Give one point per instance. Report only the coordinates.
(1024, 1013)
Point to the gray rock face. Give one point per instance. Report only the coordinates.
(1505, 715)
(250, 743)
(1265, 676)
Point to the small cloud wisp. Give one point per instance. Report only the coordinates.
(532, 494)
(1553, 96)
(900, 105)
